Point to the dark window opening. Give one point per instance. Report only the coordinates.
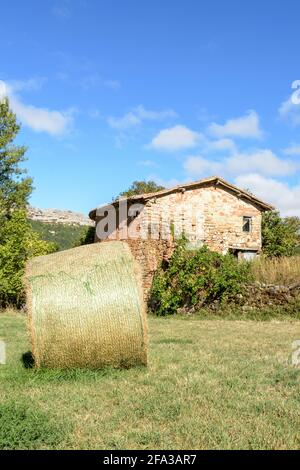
(247, 224)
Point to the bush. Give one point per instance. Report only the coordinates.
(194, 279)
(18, 244)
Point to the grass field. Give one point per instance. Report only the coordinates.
(210, 384)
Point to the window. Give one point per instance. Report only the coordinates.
(247, 224)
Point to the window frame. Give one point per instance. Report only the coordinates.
(247, 219)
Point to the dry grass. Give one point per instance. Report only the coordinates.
(281, 271)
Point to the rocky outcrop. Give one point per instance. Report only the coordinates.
(58, 216)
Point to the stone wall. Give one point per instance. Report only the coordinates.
(206, 215)
(261, 295)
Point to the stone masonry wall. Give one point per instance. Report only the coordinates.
(207, 215)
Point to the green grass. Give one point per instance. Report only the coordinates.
(210, 384)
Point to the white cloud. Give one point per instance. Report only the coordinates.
(221, 145)
(4, 90)
(162, 182)
(197, 167)
(282, 196)
(146, 114)
(42, 119)
(124, 122)
(262, 161)
(245, 127)
(175, 138)
(257, 171)
(137, 115)
(39, 119)
(31, 84)
(292, 150)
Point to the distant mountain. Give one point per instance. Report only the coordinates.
(59, 216)
(66, 228)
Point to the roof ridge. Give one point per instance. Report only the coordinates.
(211, 179)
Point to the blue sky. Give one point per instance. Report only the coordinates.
(173, 90)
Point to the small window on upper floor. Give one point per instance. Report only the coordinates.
(247, 224)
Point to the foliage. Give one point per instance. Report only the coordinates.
(280, 236)
(17, 240)
(65, 236)
(196, 278)
(87, 237)
(18, 244)
(141, 187)
(15, 188)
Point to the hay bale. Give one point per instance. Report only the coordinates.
(86, 309)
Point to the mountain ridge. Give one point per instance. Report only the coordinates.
(58, 216)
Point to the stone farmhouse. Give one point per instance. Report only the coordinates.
(209, 212)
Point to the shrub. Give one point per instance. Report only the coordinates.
(197, 278)
(18, 243)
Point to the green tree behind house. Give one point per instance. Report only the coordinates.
(141, 187)
(280, 236)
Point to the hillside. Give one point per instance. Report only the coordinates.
(65, 228)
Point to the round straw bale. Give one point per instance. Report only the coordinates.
(86, 309)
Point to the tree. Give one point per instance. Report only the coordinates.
(14, 187)
(280, 236)
(87, 237)
(141, 187)
(18, 242)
